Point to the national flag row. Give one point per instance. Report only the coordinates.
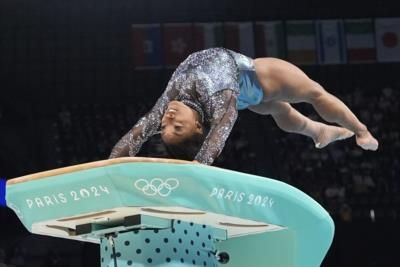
(335, 41)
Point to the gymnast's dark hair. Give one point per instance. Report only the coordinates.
(187, 148)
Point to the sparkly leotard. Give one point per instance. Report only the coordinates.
(208, 82)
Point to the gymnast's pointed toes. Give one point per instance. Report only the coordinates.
(368, 143)
(371, 146)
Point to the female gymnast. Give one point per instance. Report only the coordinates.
(199, 107)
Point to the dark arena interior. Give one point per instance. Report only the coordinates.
(75, 76)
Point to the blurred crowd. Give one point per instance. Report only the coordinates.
(37, 251)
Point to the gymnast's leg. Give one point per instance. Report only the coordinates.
(290, 120)
(282, 81)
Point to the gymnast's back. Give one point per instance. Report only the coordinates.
(207, 71)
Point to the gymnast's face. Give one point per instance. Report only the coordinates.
(179, 122)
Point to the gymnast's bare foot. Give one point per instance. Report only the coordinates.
(366, 141)
(328, 134)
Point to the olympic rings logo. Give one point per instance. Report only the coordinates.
(157, 186)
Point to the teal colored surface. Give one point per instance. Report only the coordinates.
(306, 239)
(275, 249)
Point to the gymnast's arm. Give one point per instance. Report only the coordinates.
(148, 125)
(224, 117)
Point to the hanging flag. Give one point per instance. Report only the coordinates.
(360, 40)
(330, 45)
(178, 42)
(270, 39)
(146, 45)
(301, 48)
(239, 36)
(208, 35)
(388, 39)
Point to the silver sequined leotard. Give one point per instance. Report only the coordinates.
(207, 81)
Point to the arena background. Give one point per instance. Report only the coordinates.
(70, 87)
